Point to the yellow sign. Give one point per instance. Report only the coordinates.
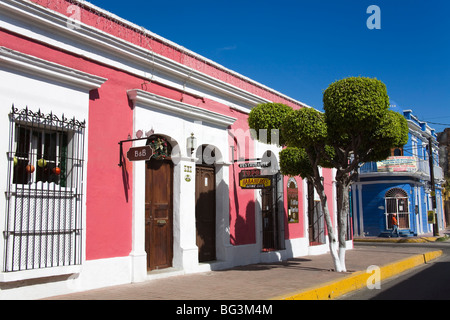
(255, 183)
(431, 216)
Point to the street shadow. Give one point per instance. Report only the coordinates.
(294, 263)
(430, 284)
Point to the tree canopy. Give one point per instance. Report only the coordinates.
(357, 124)
(359, 121)
(356, 127)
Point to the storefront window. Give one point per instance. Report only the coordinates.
(292, 198)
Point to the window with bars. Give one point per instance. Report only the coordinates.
(48, 147)
(44, 191)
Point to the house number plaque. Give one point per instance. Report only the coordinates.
(188, 171)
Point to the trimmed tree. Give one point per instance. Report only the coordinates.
(357, 127)
(361, 129)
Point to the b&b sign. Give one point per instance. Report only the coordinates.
(140, 153)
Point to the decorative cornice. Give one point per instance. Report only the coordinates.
(49, 70)
(186, 51)
(114, 46)
(140, 97)
(416, 129)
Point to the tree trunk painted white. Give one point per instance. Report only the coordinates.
(331, 235)
(342, 251)
(335, 256)
(342, 190)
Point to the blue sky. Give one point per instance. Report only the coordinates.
(300, 47)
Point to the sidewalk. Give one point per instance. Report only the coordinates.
(424, 238)
(309, 277)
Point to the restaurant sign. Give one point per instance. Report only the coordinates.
(398, 164)
(255, 182)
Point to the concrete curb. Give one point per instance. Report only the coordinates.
(358, 280)
(398, 240)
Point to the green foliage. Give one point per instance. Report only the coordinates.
(354, 105)
(357, 122)
(304, 128)
(392, 132)
(402, 130)
(357, 127)
(268, 116)
(328, 157)
(295, 162)
(444, 238)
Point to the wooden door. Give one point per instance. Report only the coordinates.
(205, 212)
(316, 222)
(269, 221)
(158, 214)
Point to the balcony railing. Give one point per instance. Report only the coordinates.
(402, 165)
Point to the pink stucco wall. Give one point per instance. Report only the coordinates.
(328, 185)
(108, 194)
(109, 187)
(297, 229)
(242, 202)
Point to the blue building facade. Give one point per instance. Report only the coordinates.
(400, 184)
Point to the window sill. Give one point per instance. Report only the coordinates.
(38, 273)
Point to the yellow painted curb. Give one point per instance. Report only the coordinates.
(398, 240)
(358, 280)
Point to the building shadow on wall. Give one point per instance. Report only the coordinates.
(125, 176)
(245, 217)
(244, 224)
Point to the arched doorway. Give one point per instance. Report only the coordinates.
(272, 208)
(397, 202)
(159, 205)
(316, 219)
(205, 203)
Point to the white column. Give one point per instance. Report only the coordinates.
(184, 230)
(417, 215)
(138, 255)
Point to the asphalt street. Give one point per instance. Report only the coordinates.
(430, 281)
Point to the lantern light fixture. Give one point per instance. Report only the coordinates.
(191, 143)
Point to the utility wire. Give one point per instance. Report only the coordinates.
(441, 124)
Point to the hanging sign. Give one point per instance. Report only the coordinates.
(259, 164)
(140, 153)
(256, 182)
(249, 173)
(398, 164)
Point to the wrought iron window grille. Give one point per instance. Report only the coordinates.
(397, 201)
(43, 226)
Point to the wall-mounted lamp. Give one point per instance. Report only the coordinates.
(191, 143)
